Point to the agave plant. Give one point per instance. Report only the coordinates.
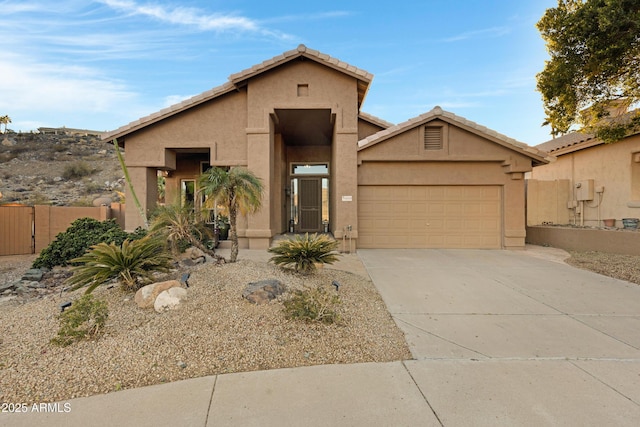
(133, 264)
(304, 252)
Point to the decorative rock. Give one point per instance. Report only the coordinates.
(263, 291)
(6, 286)
(33, 275)
(194, 253)
(102, 201)
(170, 299)
(146, 296)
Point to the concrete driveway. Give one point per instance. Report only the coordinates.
(503, 337)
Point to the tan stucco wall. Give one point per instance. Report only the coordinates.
(466, 159)
(609, 165)
(366, 129)
(327, 89)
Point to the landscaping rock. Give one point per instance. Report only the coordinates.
(170, 299)
(6, 287)
(263, 291)
(194, 253)
(146, 296)
(33, 275)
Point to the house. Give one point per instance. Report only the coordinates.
(435, 181)
(589, 182)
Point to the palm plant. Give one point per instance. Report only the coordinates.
(133, 264)
(304, 252)
(239, 189)
(177, 224)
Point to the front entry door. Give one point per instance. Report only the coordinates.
(310, 194)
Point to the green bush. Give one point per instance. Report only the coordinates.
(85, 318)
(313, 304)
(77, 170)
(133, 264)
(81, 234)
(304, 252)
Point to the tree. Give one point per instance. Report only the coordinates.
(5, 120)
(239, 189)
(595, 66)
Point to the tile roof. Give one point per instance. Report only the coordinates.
(439, 113)
(375, 120)
(571, 141)
(235, 80)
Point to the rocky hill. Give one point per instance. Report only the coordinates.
(61, 170)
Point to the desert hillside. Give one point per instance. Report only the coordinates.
(63, 169)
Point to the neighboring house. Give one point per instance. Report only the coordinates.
(435, 181)
(591, 181)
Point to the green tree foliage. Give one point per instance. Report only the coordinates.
(75, 240)
(132, 263)
(239, 189)
(595, 64)
(304, 252)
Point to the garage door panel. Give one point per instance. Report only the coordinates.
(430, 217)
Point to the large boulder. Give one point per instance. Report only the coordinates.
(263, 291)
(170, 299)
(146, 296)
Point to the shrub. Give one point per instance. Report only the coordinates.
(77, 170)
(133, 264)
(304, 252)
(81, 234)
(85, 318)
(313, 304)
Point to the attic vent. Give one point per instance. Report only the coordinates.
(433, 137)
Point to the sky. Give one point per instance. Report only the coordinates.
(101, 64)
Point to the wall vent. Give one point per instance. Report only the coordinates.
(433, 137)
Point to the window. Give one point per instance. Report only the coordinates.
(310, 169)
(187, 192)
(433, 137)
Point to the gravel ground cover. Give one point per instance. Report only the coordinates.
(214, 332)
(624, 267)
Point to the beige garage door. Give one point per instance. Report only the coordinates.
(429, 217)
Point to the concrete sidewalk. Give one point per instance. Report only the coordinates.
(498, 338)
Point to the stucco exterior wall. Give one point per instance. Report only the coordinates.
(616, 167)
(325, 89)
(466, 159)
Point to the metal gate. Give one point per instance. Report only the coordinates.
(17, 230)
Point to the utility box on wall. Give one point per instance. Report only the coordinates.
(584, 190)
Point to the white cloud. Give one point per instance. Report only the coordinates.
(484, 33)
(185, 16)
(63, 94)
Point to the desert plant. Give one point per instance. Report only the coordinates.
(313, 304)
(177, 224)
(132, 264)
(304, 252)
(85, 318)
(239, 189)
(75, 240)
(77, 170)
(132, 191)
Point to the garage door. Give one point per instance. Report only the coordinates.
(429, 217)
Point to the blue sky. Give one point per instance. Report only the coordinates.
(102, 64)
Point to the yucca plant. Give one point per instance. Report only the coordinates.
(132, 264)
(302, 253)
